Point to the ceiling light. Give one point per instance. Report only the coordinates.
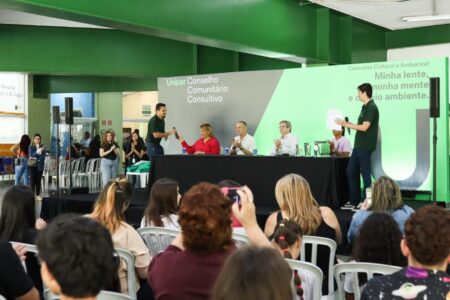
(426, 18)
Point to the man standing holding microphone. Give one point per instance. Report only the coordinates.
(365, 143)
(156, 131)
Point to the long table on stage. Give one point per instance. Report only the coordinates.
(326, 175)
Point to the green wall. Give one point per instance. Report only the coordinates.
(418, 36)
(109, 107)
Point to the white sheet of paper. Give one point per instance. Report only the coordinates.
(334, 114)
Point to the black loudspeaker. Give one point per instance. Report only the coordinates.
(56, 115)
(69, 110)
(434, 97)
(74, 191)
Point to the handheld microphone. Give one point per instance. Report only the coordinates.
(348, 129)
(176, 133)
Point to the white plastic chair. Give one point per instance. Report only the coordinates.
(83, 175)
(49, 171)
(240, 240)
(95, 175)
(315, 241)
(360, 267)
(75, 166)
(128, 258)
(157, 239)
(304, 270)
(64, 166)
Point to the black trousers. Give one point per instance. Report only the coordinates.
(35, 180)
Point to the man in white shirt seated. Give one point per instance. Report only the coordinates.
(287, 143)
(243, 143)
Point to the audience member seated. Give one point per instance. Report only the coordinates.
(188, 268)
(254, 273)
(162, 208)
(426, 244)
(287, 239)
(77, 257)
(14, 282)
(18, 224)
(387, 198)
(109, 210)
(94, 148)
(296, 202)
(378, 242)
(206, 144)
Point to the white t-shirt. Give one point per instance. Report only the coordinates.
(248, 142)
(170, 222)
(288, 145)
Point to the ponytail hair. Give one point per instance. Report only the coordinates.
(287, 233)
(112, 202)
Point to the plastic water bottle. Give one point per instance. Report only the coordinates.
(316, 149)
(255, 151)
(227, 150)
(297, 151)
(183, 150)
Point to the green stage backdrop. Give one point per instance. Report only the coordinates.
(303, 96)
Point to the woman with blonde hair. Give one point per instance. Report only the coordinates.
(206, 144)
(109, 210)
(387, 198)
(297, 203)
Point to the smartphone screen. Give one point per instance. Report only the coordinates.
(231, 192)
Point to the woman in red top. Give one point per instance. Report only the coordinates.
(207, 144)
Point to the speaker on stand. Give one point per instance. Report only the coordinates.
(69, 121)
(57, 121)
(434, 114)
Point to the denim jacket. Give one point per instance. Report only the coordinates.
(32, 150)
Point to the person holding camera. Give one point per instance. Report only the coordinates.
(109, 152)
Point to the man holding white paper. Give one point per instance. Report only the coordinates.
(365, 143)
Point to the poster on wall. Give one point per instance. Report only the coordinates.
(305, 96)
(12, 92)
(12, 107)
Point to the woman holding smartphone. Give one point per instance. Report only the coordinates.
(37, 154)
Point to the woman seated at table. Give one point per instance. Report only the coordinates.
(206, 144)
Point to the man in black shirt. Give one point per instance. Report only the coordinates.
(156, 131)
(365, 143)
(14, 282)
